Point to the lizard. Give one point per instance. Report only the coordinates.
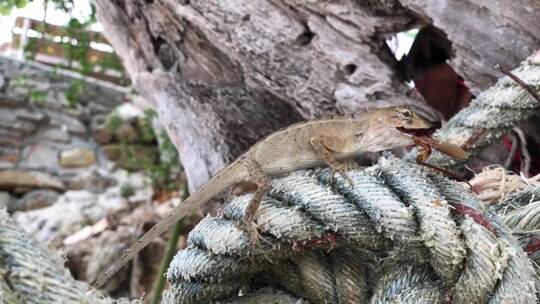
(330, 141)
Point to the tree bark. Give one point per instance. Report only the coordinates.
(222, 74)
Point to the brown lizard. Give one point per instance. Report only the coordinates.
(310, 144)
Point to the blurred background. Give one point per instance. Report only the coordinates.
(80, 154)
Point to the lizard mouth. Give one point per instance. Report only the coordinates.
(423, 132)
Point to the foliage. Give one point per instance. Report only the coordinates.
(127, 190)
(76, 48)
(146, 129)
(74, 91)
(35, 95)
(163, 172)
(113, 122)
(31, 48)
(7, 5)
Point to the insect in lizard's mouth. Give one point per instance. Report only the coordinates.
(421, 132)
(423, 137)
(424, 132)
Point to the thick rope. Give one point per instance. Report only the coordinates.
(397, 214)
(400, 235)
(492, 114)
(29, 273)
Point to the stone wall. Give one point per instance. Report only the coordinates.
(55, 149)
(37, 122)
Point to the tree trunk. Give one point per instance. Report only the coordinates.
(222, 74)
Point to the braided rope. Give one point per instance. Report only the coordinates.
(396, 221)
(29, 273)
(492, 114)
(394, 237)
(397, 214)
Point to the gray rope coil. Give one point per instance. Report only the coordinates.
(398, 217)
(396, 237)
(393, 214)
(29, 273)
(490, 115)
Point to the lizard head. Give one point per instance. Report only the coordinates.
(400, 121)
(403, 118)
(398, 126)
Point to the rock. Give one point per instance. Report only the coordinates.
(128, 111)
(139, 181)
(126, 133)
(6, 200)
(92, 181)
(78, 157)
(8, 154)
(10, 138)
(133, 157)
(102, 135)
(84, 208)
(96, 109)
(32, 115)
(100, 132)
(11, 179)
(98, 121)
(6, 165)
(72, 125)
(35, 199)
(57, 135)
(24, 127)
(49, 222)
(40, 155)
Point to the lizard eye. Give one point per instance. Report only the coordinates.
(406, 115)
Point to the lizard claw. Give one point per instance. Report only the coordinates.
(342, 170)
(255, 237)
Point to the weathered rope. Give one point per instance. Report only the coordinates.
(395, 237)
(29, 273)
(397, 214)
(492, 114)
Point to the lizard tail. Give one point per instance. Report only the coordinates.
(229, 176)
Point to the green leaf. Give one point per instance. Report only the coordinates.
(6, 6)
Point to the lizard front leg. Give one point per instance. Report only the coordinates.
(259, 178)
(328, 156)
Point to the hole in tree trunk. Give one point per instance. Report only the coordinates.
(305, 38)
(422, 56)
(350, 68)
(400, 44)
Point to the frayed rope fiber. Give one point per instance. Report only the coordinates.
(490, 115)
(30, 273)
(393, 238)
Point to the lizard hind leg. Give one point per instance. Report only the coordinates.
(258, 178)
(328, 157)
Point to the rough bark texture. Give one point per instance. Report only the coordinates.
(484, 33)
(222, 74)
